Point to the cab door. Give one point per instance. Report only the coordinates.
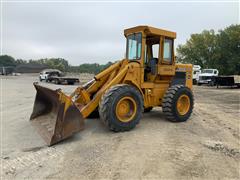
(167, 62)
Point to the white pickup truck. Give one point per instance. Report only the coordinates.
(208, 77)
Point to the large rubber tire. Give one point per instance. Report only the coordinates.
(108, 103)
(169, 104)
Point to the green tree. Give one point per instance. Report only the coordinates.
(54, 63)
(210, 50)
(199, 49)
(228, 50)
(6, 60)
(20, 61)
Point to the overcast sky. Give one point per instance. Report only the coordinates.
(93, 32)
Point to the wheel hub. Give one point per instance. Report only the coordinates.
(183, 104)
(126, 109)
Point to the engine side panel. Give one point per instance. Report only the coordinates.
(184, 69)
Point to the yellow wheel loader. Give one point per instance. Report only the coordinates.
(148, 77)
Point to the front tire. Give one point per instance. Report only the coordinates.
(178, 103)
(121, 107)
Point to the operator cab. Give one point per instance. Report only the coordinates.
(152, 48)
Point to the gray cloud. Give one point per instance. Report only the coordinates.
(93, 32)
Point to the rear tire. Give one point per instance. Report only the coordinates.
(121, 107)
(178, 103)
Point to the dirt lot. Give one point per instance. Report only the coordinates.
(207, 146)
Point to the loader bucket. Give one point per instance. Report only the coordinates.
(55, 118)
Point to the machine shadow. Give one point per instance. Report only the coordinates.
(96, 127)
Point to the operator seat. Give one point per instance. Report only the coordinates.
(151, 67)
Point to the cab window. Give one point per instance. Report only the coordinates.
(155, 50)
(134, 46)
(167, 51)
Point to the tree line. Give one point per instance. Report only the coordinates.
(209, 49)
(55, 63)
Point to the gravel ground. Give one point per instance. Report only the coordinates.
(207, 146)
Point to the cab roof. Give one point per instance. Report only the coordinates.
(148, 30)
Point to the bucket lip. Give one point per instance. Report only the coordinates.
(37, 85)
(46, 137)
(66, 125)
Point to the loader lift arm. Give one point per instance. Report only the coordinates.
(57, 116)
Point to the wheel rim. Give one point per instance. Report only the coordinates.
(183, 104)
(126, 109)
